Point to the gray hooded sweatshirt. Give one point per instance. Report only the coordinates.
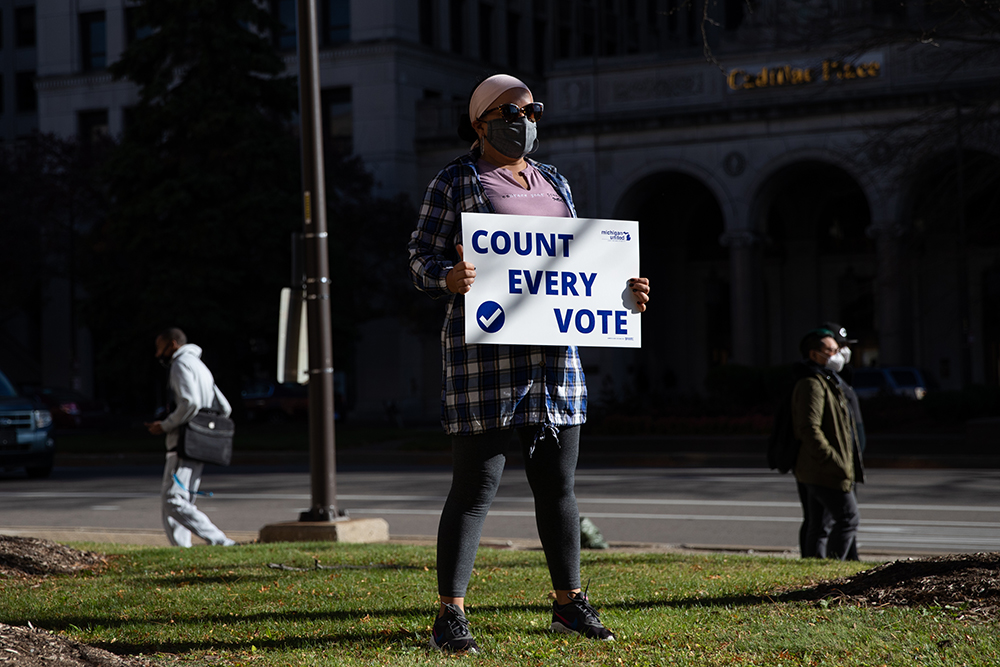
(193, 388)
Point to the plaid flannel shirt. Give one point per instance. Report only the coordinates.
(488, 386)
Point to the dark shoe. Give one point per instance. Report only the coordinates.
(451, 632)
(577, 617)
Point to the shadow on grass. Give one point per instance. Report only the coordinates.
(349, 639)
(367, 615)
(693, 602)
(268, 575)
(376, 634)
(353, 637)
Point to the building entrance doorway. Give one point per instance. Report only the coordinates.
(687, 328)
(819, 263)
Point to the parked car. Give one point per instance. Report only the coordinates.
(274, 402)
(25, 432)
(70, 409)
(889, 381)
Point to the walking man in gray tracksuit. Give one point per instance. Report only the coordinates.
(193, 388)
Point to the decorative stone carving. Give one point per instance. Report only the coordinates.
(655, 88)
(734, 163)
(881, 152)
(576, 95)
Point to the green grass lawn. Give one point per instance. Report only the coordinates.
(225, 606)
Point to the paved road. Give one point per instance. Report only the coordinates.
(903, 511)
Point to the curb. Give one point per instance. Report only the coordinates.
(152, 538)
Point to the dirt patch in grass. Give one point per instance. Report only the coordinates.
(31, 647)
(21, 556)
(968, 583)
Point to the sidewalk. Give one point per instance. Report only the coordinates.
(883, 451)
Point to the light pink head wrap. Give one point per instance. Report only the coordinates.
(489, 90)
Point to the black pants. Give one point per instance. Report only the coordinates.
(478, 463)
(819, 542)
(823, 506)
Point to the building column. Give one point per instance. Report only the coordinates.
(746, 287)
(890, 293)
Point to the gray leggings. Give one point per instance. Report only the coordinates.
(478, 463)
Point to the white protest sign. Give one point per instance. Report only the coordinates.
(551, 281)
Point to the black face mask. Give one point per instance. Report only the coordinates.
(165, 358)
(513, 139)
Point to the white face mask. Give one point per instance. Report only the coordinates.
(836, 362)
(846, 351)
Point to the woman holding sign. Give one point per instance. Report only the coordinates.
(492, 392)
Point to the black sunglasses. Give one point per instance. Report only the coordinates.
(511, 112)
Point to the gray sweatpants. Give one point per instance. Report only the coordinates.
(478, 463)
(180, 516)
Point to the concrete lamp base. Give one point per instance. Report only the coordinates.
(353, 531)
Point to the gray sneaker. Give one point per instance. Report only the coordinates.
(451, 632)
(577, 617)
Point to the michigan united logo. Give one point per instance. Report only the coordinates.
(615, 235)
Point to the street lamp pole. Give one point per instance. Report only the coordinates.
(322, 447)
(963, 252)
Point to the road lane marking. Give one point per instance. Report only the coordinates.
(220, 495)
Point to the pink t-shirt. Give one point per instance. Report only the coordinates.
(509, 197)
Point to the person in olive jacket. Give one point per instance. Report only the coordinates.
(824, 424)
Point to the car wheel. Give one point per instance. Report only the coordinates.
(40, 471)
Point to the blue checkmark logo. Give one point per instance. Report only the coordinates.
(490, 316)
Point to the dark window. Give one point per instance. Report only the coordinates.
(24, 92)
(734, 14)
(937, 8)
(587, 20)
(513, 40)
(92, 126)
(565, 43)
(24, 27)
(338, 123)
(336, 19)
(427, 22)
(895, 8)
(1, 28)
(608, 27)
(541, 41)
(672, 11)
(485, 32)
(457, 25)
(93, 41)
(133, 29)
(128, 118)
(1, 93)
(284, 13)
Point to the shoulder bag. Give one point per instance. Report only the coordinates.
(208, 437)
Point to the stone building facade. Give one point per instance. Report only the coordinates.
(789, 182)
